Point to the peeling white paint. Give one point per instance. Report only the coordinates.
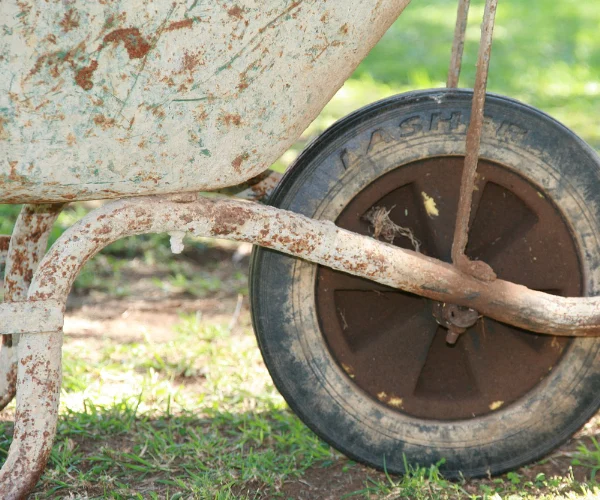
(177, 245)
(396, 402)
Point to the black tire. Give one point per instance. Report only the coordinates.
(329, 174)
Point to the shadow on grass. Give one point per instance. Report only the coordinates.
(114, 452)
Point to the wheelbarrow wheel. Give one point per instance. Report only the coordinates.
(367, 367)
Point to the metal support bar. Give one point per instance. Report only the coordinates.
(25, 249)
(317, 241)
(321, 242)
(475, 268)
(40, 316)
(458, 45)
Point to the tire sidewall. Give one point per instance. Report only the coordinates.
(334, 169)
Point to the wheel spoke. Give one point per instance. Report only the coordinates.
(505, 360)
(437, 198)
(401, 353)
(500, 219)
(446, 373)
(530, 257)
(405, 206)
(367, 318)
(338, 280)
(480, 184)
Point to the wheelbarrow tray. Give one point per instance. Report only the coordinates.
(111, 99)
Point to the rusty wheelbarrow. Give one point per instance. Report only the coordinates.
(418, 286)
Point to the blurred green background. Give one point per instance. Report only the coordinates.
(546, 53)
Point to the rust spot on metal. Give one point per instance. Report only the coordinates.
(236, 12)
(3, 132)
(24, 8)
(104, 122)
(147, 176)
(13, 175)
(83, 77)
(178, 25)
(231, 119)
(190, 61)
(237, 163)
(201, 114)
(11, 376)
(4, 243)
(70, 21)
(158, 112)
(229, 219)
(344, 29)
(56, 60)
(111, 21)
(136, 46)
(243, 83)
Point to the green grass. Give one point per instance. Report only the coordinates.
(589, 456)
(195, 415)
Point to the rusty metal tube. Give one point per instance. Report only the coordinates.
(317, 241)
(458, 45)
(39, 378)
(467, 184)
(28, 244)
(37, 400)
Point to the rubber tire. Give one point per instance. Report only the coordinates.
(328, 174)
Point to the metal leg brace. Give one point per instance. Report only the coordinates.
(37, 398)
(28, 245)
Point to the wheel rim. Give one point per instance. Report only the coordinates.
(388, 341)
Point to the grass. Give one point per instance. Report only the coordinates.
(196, 416)
(193, 413)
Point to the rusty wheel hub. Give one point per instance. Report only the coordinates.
(455, 318)
(392, 345)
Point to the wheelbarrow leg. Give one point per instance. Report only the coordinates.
(38, 372)
(8, 354)
(39, 377)
(28, 245)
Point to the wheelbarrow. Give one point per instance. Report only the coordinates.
(423, 279)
